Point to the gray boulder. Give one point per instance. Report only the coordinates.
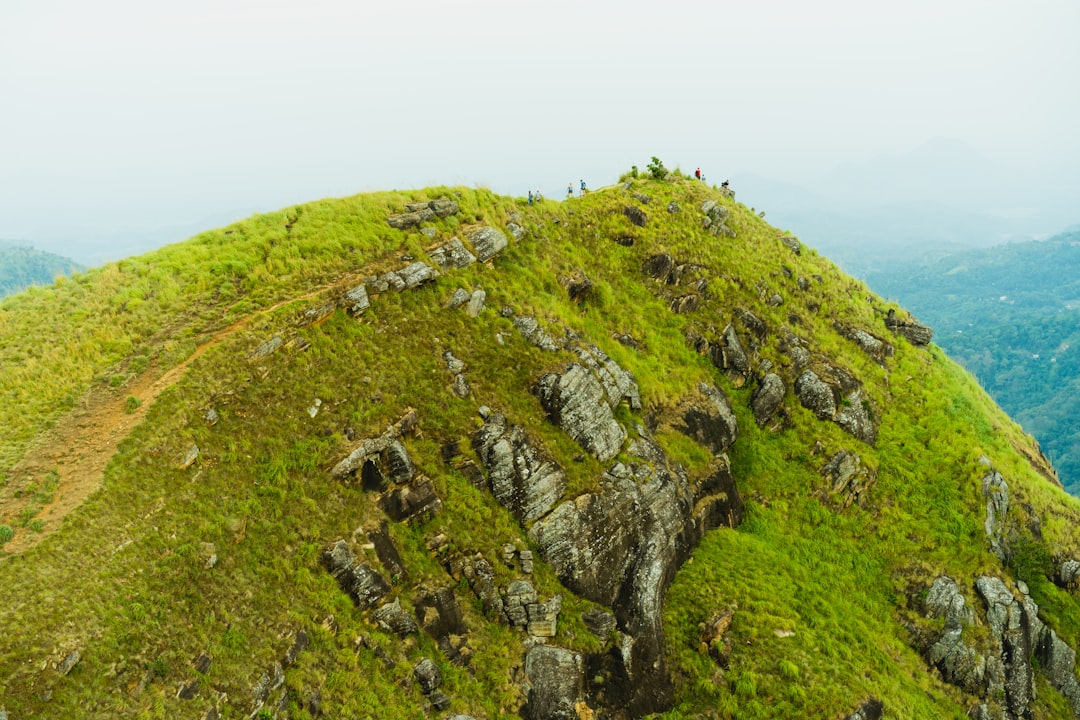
(487, 241)
(555, 678)
(792, 243)
(459, 298)
(871, 344)
(406, 220)
(444, 207)
(516, 230)
(709, 420)
(476, 303)
(452, 255)
(944, 600)
(635, 215)
(521, 479)
(856, 417)
(361, 582)
(815, 395)
(356, 300)
(428, 676)
(767, 398)
(392, 618)
(729, 353)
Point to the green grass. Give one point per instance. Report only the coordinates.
(143, 604)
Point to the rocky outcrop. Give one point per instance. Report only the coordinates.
(356, 301)
(487, 242)
(716, 216)
(530, 329)
(555, 678)
(871, 344)
(707, 418)
(849, 479)
(872, 709)
(996, 492)
(912, 330)
(997, 666)
(815, 395)
(420, 212)
(417, 498)
(576, 402)
(359, 581)
(767, 398)
(452, 255)
(521, 479)
(841, 401)
(392, 618)
(792, 243)
(620, 547)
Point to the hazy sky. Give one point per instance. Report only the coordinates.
(142, 122)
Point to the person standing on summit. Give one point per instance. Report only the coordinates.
(583, 190)
(569, 190)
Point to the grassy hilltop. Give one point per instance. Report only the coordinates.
(145, 579)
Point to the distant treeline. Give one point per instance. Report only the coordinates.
(21, 267)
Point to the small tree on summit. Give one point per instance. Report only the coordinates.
(657, 169)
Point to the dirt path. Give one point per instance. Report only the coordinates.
(82, 443)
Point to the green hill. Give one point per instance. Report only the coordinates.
(21, 267)
(1009, 314)
(442, 452)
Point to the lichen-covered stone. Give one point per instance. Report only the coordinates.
(524, 481)
(767, 398)
(452, 254)
(575, 400)
(815, 395)
(707, 418)
(555, 680)
(488, 242)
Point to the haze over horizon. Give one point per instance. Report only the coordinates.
(129, 126)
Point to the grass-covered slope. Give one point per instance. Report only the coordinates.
(110, 606)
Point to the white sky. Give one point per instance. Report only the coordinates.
(144, 118)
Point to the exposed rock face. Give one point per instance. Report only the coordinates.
(996, 492)
(362, 583)
(856, 418)
(487, 242)
(392, 618)
(387, 552)
(1015, 626)
(531, 331)
(729, 353)
(855, 414)
(815, 395)
(709, 420)
(520, 478)
(452, 254)
(621, 546)
(356, 300)
(768, 398)
(792, 243)
(555, 680)
(914, 331)
(411, 500)
(577, 402)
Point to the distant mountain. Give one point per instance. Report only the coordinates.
(1011, 315)
(941, 195)
(22, 266)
